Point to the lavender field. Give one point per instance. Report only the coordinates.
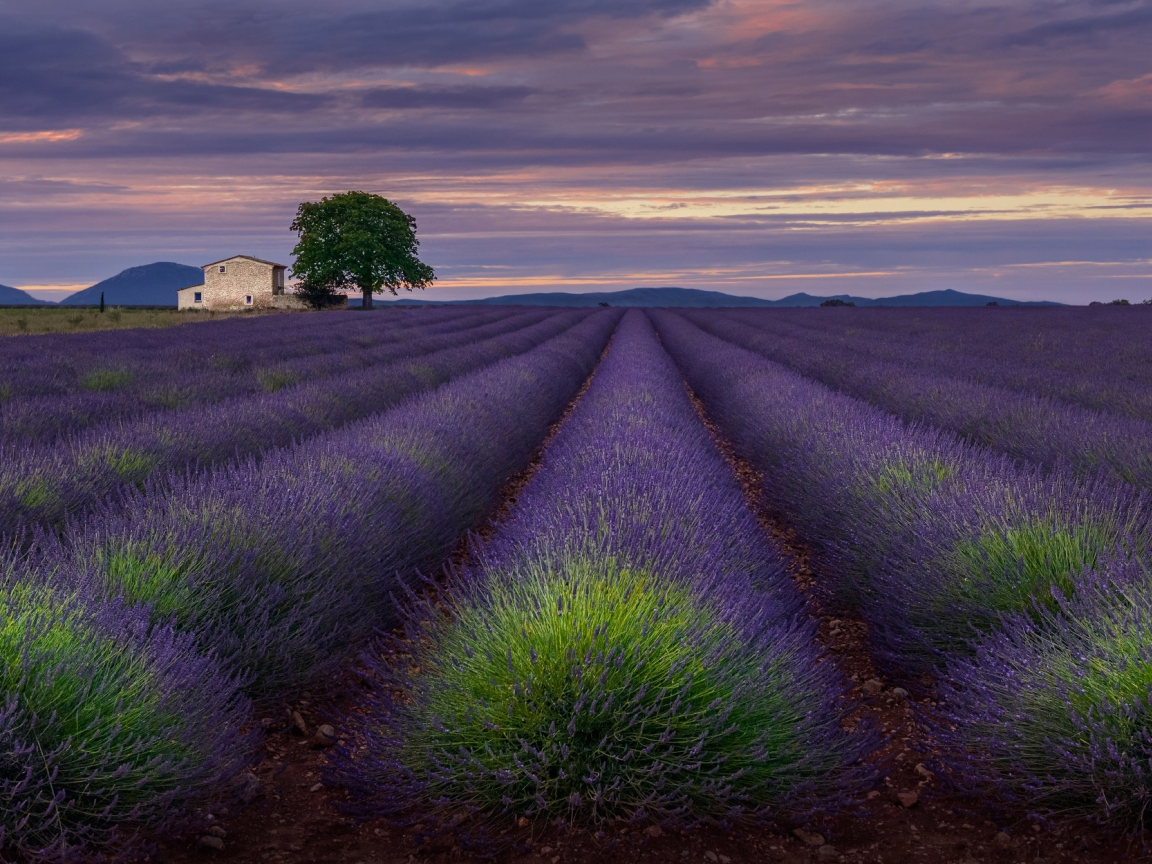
(548, 559)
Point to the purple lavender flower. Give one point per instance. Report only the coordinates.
(108, 725)
(933, 538)
(1090, 357)
(1053, 711)
(47, 484)
(282, 566)
(627, 646)
(1023, 424)
(68, 384)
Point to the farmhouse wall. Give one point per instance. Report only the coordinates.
(242, 277)
(186, 298)
(245, 283)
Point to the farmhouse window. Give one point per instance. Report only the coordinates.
(247, 299)
(197, 297)
(223, 268)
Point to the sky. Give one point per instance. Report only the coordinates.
(869, 147)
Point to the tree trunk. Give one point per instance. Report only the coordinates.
(367, 298)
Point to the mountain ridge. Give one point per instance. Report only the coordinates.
(696, 298)
(153, 284)
(156, 285)
(10, 296)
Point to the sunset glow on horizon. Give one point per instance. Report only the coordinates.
(759, 147)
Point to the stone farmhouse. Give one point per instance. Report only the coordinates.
(239, 282)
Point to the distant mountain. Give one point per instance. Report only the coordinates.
(149, 285)
(16, 297)
(693, 297)
(947, 297)
(681, 297)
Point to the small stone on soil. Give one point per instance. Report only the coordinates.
(900, 691)
(211, 842)
(325, 736)
(908, 799)
(653, 831)
(873, 686)
(826, 851)
(250, 788)
(809, 839)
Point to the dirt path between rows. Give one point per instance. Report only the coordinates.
(293, 818)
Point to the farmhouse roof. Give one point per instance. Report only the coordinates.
(249, 257)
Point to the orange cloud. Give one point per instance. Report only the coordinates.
(1130, 89)
(36, 137)
(53, 293)
(731, 63)
(470, 73)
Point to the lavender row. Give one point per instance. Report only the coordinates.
(1097, 358)
(41, 484)
(626, 647)
(280, 564)
(964, 562)
(109, 724)
(1023, 425)
(1054, 711)
(55, 365)
(934, 537)
(113, 722)
(119, 394)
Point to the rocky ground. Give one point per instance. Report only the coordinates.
(293, 817)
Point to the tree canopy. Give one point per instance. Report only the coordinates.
(356, 240)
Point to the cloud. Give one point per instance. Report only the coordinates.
(295, 36)
(51, 73)
(472, 98)
(40, 189)
(1137, 18)
(200, 125)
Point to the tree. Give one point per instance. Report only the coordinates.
(357, 240)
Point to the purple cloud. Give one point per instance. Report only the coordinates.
(589, 139)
